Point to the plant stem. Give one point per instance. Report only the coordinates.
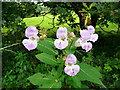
(9, 46)
(70, 44)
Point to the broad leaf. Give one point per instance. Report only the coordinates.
(73, 81)
(46, 58)
(47, 46)
(44, 81)
(89, 73)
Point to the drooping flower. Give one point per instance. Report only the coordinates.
(72, 70)
(29, 44)
(60, 44)
(71, 58)
(61, 32)
(87, 35)
(31, 31)
(87, 46)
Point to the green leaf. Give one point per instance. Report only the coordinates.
(90, 73)
(84, 86)
(46, 58)
(76, 83)
(44, 81)
(47, 46)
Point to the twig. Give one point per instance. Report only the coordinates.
(9, 46)
(9, 50)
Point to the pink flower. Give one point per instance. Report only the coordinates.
(85, 34)
(87, 46)
(31, 31)
(29, 44)
(72, 70)
(91, 29)
(71, 58)
(60, 44)
(80, 42)
(94, 37)
(61, 32)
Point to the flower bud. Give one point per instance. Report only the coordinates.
(71, 34)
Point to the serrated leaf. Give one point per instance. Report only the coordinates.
(44, 81)
(46, 58)
(47, 46)
(90, 73)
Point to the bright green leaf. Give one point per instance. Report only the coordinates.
(46, 58)
(47, 46)
(44, 81)
(90, 73)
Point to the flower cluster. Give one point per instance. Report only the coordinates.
(61, 42)
(31, 33)
(71, 69)
(86, 36)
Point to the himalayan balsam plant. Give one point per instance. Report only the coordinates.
(67, 70)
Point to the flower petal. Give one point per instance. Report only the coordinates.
(60, 44)
(79, 42)
(87, 46)
(29, 44)
(71, 58)
(85, 34)
(94, 37)
(91, 29)
(31, 31)
(61, 32)
(72, 70)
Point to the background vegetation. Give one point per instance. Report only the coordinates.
(18, 63)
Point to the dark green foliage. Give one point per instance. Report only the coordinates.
(13, 10)
(19, 64)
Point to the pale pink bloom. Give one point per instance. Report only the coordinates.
(72, 70)
(61, 32)
(87, 46)
(31, 31)
(91, 29)
(60, 44)
(29, 44)
(71, 58)
(85, 34)
(80, 42)
(94, 37)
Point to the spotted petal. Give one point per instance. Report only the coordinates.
(71, 58)
(29, 44)
(72, 70)
(60, 44)
(87, 46)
